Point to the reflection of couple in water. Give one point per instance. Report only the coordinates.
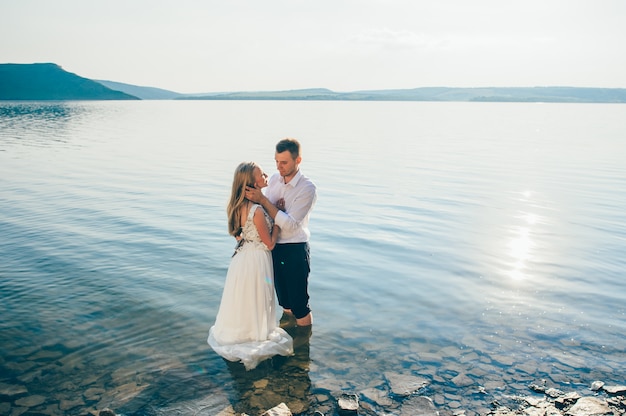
(272, 255)
(280, 379)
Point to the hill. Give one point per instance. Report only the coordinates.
(488, 94)
(47, 81)
(145, 93)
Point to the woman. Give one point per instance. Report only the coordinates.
(246, 327)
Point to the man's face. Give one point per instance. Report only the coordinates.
(286, 165)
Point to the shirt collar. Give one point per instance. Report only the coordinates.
(294, 181)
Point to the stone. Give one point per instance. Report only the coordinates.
(128, 391)
(261, 384)
(539, 388)
(93, 393)
(455, 405)
(566, 400)
(418, 406)
(298, 406)
(502, 411)
(46, 355)
(21, 367)
(18, 411)
(533, 401)
(534, 411)
(615, 389)
(106, 412)
(70, 404)
(30, 401)
(12, 389)
(348, 403)
(214, 404)
(377, 396)
(550, 410)
(503, 359)
(462, 380)
(280, 410)
(404, 384)
(597, 385)
(227, 411)
(589, 406)
(467, 358)
(552, 392)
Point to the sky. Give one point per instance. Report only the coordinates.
(196, 46)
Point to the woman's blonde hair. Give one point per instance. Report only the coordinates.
(244, 176)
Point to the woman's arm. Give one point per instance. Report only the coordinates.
(268, 238)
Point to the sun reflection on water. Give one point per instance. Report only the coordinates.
(521, 246)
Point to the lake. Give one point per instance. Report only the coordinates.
(479, 247)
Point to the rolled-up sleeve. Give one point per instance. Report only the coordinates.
(298, 211)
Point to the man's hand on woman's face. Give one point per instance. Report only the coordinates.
(253, 194)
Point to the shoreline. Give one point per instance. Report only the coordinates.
(338, 388)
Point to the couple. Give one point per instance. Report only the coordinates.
(273, 253)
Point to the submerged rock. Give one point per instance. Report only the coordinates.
(280, 410)
(377, 396)
(419, 405)
(462, 380)
(12, 389)
(404, 384)
(30, 401)
(348, 404)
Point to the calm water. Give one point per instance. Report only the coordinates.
(450, 240)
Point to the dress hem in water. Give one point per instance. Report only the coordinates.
(251, 353)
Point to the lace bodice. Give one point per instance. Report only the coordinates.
(249, 233)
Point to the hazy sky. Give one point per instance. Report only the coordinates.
(345, 45)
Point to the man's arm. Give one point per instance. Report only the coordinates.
(255, 195)
(298, 210)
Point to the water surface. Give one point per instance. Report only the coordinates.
(477, 245)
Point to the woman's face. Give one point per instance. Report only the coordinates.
(260, 178)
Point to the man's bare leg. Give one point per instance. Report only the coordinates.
(287, 320)
(306, 321)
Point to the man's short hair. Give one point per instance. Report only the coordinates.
(289, 144)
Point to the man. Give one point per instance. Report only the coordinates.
(289, 199)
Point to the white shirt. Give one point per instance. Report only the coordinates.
(300, 195)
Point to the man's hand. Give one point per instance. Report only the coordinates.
(254, 194)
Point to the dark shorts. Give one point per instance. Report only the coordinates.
(291, 277)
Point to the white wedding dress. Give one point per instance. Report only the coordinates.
(246, 327)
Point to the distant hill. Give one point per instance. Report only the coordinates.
(304, 94)
(495, 94)
(47, 81)
(50, 82)
(145, 93)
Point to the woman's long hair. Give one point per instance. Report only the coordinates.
(244, 176)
